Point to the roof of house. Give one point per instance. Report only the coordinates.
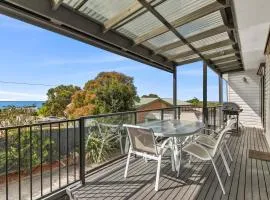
(144, 101)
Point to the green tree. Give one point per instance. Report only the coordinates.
(150, 96)
(58, 99)
(195, 101)
(109, 92)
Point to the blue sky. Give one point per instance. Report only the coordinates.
(33, 55)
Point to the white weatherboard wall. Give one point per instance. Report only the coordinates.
(267, 99)
(244, 89)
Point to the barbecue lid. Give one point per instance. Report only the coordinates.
(231, 106)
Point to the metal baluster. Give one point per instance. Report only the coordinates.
(19, 159)
(135, 118)
(41, 161)
(82, 151)
(67, 155)
(59, 154)
(74, 147)
(6, 146)
(31, 160)
(214, 118)
(51, 157)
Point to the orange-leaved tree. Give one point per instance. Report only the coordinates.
(109, 92)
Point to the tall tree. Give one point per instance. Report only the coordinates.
(58, 99)
(150, 96)
(108, 92)
(195, 101)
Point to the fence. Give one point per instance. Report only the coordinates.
(39, 159)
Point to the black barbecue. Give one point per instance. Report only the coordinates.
(231, 109)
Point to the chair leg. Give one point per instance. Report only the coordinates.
(219, 179)
(179, 163)
(229, 153)
(121, 145)
(100, 151)
(172, 156)
(225, 162)
(158, 173)
(128, 159)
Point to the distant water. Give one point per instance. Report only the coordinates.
(36, 104)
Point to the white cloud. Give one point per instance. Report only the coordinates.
(20, 96)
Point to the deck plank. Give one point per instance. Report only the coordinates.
(235, 175)
(250, 178)
(212, 184)
(242, 174)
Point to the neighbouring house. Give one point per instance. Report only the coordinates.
(156, 103)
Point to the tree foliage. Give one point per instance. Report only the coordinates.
(195, 101)
(150, 96)
(108, 92)
(58, 99)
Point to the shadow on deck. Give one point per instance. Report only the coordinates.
(250, 178)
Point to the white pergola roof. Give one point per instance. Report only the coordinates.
(162, 33)
(253, 20)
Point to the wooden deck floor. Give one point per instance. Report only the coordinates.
(250, 178)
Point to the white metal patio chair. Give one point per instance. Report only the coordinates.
(211, 140)
(204, 153)
(143, 143)
(114, 133)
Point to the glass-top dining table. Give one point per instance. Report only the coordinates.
(178, 130)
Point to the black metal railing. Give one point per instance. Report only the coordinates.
(40, 159)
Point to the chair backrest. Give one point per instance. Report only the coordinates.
(141, 139)
(220, 139)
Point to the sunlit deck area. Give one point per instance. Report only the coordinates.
(250, 178)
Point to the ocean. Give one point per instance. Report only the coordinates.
(37, 104)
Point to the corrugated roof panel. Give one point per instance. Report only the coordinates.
(202, 24)
(217, 50)
(187, 58)
(105, 9)
(174, 9)
(177, 50)
(72, 3)
(138, 12)
(211, 40)
(140, 26)
(224, 56)
(228, 61)
(163, 39)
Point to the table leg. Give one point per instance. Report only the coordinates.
(178, 154)
(237, 124)
(172, 154)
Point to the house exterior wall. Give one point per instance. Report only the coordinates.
(151, 106)
(267, 95)
(244, 89)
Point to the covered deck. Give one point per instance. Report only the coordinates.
(250, 178)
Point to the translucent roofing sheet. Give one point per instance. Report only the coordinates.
(226, 61)
(202, 24)
(105, 9)
(177, 50)
(175, 9)
(140, 26)
(211, 40)
(72, 3)
(220, 57)
(187, 58)
(164, 39)
(217, 50)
